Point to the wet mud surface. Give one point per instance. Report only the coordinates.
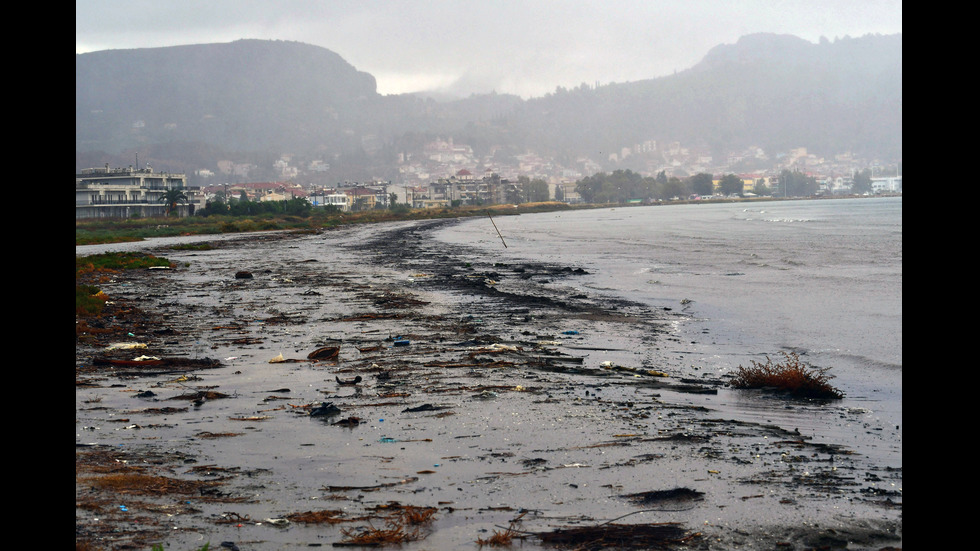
(284, 391)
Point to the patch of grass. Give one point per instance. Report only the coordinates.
(792, 376)
(193, 247)
(117, 261)
(89, 300)
(136, 229)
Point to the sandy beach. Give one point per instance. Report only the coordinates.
(289, 390)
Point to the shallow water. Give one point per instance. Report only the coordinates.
(819, 278)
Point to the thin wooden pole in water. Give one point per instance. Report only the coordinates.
(495, 227)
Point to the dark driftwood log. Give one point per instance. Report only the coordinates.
(325, 353)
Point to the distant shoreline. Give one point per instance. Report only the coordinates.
(105, 231)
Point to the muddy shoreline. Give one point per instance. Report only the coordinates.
(499, 395)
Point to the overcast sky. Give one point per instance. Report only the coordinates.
(524, 47)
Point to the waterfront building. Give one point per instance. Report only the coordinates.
(127, 192)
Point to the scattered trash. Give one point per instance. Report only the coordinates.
(636, 370)
(127, 363)
(126, 346)
(498, 346)
(348, 382)
(243, 275)
(403, 342)
(569, 332)
(278, 359)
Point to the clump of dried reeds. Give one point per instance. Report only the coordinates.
(136, 483)
(395, 530)
(318, 517)
(500, 539)
(505, 538)
(417, 515)
(792, 376)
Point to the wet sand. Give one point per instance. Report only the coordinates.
(499, 395)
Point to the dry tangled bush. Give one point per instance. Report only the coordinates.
(792, 376)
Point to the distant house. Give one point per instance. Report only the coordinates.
(267, 191)
(362, 198)
(126, 192)
(340, 200)
(329, 197)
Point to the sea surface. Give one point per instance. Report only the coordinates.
(820, 278)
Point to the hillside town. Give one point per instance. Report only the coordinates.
(446, 173)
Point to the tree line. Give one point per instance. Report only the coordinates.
(623, 186)
(244, 207)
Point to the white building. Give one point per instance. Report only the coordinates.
(886, 184)
(125, 192)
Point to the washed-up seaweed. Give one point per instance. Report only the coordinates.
(660, 535)
(675, 495)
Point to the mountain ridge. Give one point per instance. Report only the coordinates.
(260, 97)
